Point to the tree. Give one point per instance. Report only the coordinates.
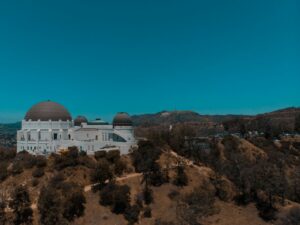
(144, 157)
(132, 214)
(74, 205)
(49, 206)
(3, 218)
(102, 173)
(148, 195)
(181, 178)
(21, 206)
(115, 196)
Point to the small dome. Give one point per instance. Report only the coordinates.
(79, 120)
(48, 110)
(122, 119)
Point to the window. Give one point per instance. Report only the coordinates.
(96, 137)
(118, 138)
(54, 136)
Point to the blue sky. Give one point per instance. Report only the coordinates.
(144, 56)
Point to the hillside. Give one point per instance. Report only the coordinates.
(212, 187)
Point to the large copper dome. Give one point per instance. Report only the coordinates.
(48, 110)
(122, 119)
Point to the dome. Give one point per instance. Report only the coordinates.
(122, 119)
(48, 110)
(79, 120)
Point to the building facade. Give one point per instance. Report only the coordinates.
(49, 128)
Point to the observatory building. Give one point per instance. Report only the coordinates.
(48, 127)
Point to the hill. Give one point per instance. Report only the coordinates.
(219, 187)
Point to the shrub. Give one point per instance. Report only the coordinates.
(102, 173)
(266, 211)
(7, 154)
(119, 167)
(181, 178)
(57, 180)
(113, 156)
(16, 168)
(148, 195)
(144, 157)
(132, 214)
(173, 194)
(100, 154)
(21, 206)
(115, 196)
(147, 212)
(38, 172)
(27, 160)
(74, 205)
(41, 161)
(49, 206)
(34, 182)
(3, 172)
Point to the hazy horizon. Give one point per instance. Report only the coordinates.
(100, 58)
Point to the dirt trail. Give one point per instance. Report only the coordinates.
(89, 187)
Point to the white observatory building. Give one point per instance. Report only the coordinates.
(48, 127)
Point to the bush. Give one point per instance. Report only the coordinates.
(115, 196)
(7, 154)
(27, 160)
(148, 195)
(173, 194)
(41, 161)
(102, 173)
(49, 206)
(3, 172)
(132, 214)
(144, 157)
(57, 180)
(34, 182)
(38, 172)
(113, 156)
(68, 159)
(100, 154)
(266, 211)
(147, 212)
(21, 206)
(74, 205)
(181, 178)
(119, 167)
(16, 168)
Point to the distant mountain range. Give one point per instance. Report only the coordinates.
(10, 129)
(285, 117)
(173, 117)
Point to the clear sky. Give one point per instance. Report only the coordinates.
(143, 56)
